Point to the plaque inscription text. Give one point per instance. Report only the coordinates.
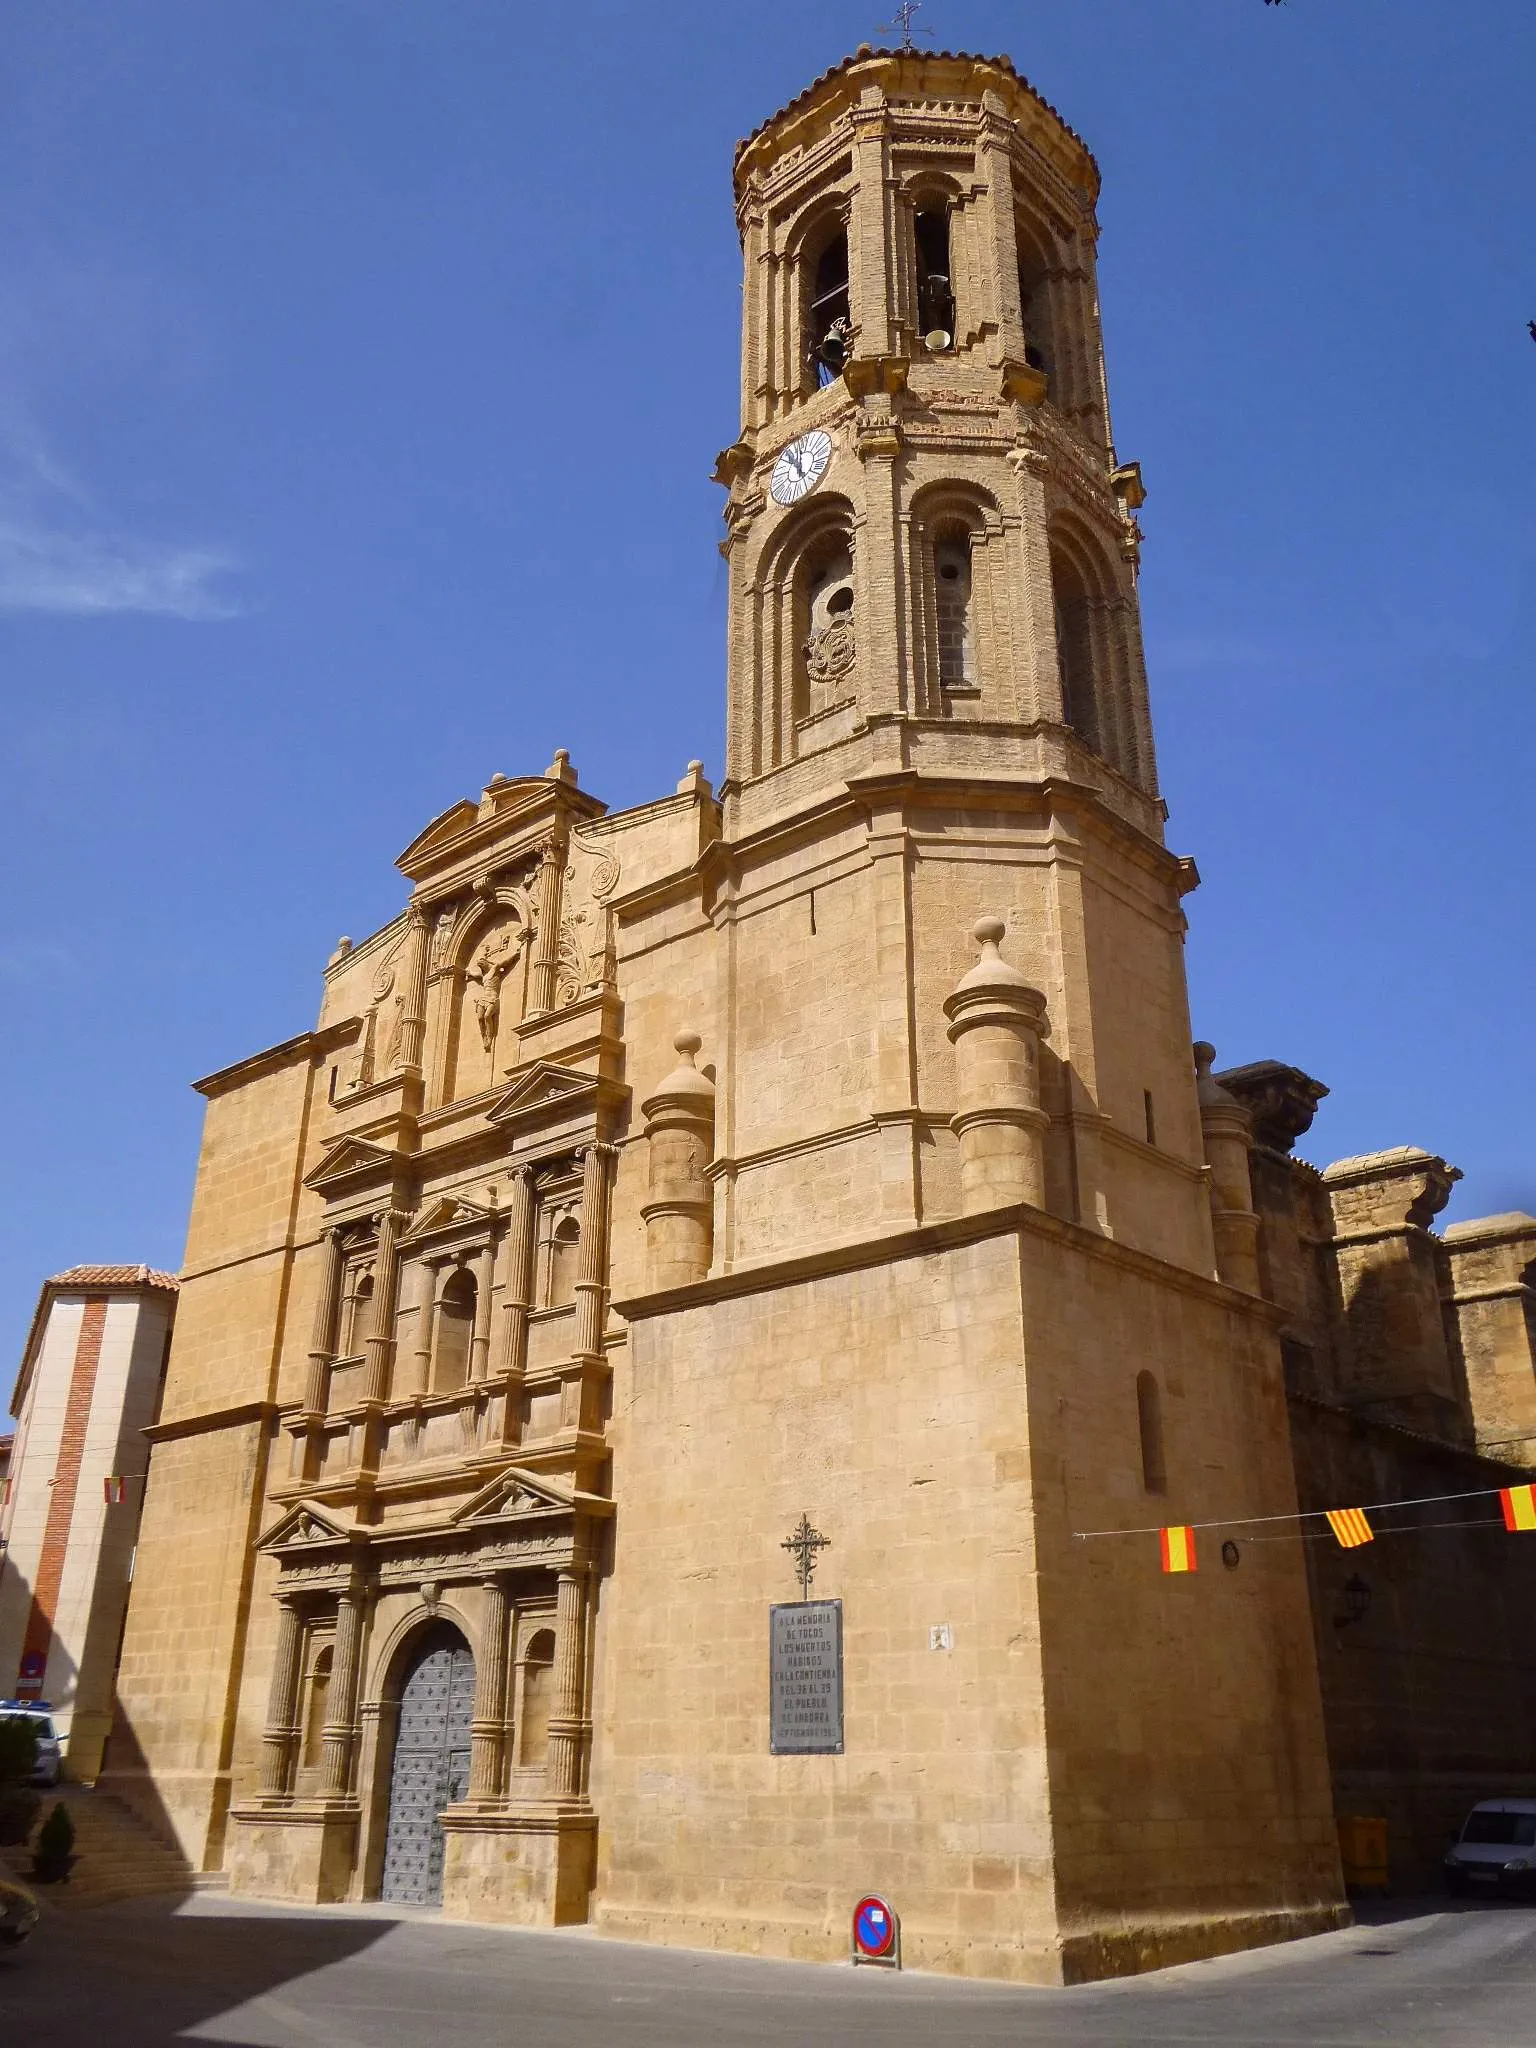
(805, 1678)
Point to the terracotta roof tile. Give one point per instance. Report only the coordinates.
(115, 1276)
(864, 54)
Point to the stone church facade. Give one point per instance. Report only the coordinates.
(828, 1145)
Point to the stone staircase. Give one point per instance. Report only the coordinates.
(118, 1855)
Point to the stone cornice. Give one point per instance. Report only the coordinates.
(211, 1419)
(948, 1235)
(308, 1046)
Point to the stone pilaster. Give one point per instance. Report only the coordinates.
(413, 991)
(280, 1737)
(322, 1343)
(339, 1736)
(546, 941)
(592, 1256)
(568, 1724)
(380, 1345)
(480, 1342)
(487, 1731)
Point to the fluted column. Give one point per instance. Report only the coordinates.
(485, 1281)
(322, 1343)
(996, 1024)
(517, 1301)
(413, 992)
(339, 1734)
(380, 1345)
(592, 1256)
(1227, 1130)
(487, 1731)
(567, 1721)
(426, 1305)
(680, 1142)
(546, 954)
(280, 1737)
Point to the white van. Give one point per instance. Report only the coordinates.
(1496, 1850)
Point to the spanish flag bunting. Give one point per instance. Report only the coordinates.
(1519, 1505)
(1178, 1548)
(1351, 1527)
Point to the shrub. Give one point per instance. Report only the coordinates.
(54, 1850)
(19, 1808)
(18, 1749)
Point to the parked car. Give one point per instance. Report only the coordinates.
(18, 1910)
(50, 1752)
(1496, 1850)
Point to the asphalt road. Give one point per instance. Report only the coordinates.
(145, 1975)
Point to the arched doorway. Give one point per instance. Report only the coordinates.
(431, 1764)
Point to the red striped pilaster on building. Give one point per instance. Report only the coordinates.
(61, 1504)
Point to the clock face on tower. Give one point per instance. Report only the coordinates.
(800, 467)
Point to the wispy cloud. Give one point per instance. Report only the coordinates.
(78, 335)
(54, 571)
(58, 553)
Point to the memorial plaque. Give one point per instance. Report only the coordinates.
(805, 1678)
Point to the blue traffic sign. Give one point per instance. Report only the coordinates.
(875, 1931)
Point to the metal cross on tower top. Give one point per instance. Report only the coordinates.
(902, 19)
(803, 1546)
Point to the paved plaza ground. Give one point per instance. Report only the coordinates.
(145, 1974)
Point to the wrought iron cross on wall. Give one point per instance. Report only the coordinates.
(802, 1547)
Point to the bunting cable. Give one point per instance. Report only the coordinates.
(1422, 1500)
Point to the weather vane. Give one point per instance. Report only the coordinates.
(802, 1547)
(903, 21)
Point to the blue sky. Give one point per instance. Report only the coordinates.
(362, 367)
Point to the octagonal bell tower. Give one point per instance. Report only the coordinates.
(933, 549)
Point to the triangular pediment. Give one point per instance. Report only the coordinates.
(511, 1493)
(544, 1086)
(442, 1212)
(303, 1524)
(442, 831)
(347, 1158)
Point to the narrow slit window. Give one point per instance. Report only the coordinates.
(829, 342)
(1151, 1114)
(935, 289)
(1149, 1416)
(952, 601)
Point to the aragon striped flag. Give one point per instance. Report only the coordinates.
(1178, 1546)
(1351, 1527)
(1519, 1505)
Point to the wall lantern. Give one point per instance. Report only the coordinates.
(1354, 1602)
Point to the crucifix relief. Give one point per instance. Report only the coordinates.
(803, 1546)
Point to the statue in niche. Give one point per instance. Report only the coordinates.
(484, 977)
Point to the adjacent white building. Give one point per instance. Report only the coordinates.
(88, 1388)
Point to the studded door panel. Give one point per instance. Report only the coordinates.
(430, 1770)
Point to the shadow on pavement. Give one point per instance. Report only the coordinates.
(144, 1974)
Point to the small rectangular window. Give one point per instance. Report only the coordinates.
(1151, 1115)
